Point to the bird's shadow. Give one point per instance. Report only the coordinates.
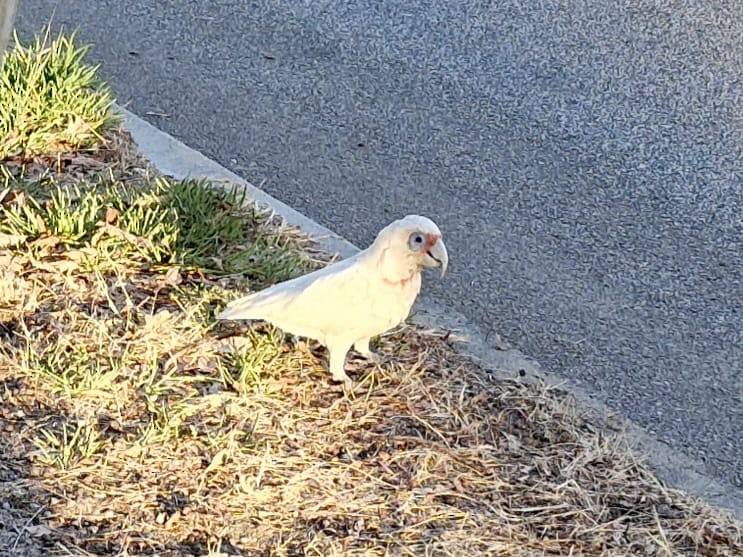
(357, 366)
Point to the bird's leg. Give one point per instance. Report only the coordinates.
(337, 362)
(362, 347)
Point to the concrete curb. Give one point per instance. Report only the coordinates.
(173, 158)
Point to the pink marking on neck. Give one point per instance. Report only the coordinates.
(403, 282)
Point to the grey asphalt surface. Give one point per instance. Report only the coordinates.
(584, 160)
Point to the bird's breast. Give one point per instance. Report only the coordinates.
(390, 302)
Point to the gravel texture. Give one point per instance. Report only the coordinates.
(584, 160)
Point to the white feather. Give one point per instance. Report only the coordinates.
(350, 301)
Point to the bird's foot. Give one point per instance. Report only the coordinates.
(342, 378)
(362, 347)
(372, 357)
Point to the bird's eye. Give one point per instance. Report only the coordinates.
(416, 241)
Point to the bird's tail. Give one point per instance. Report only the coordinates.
(240, 308)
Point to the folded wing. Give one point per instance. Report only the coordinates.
(323, 303)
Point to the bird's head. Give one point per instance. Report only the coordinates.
(410, 244)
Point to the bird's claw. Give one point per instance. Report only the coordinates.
(342, 378)
(345, 383)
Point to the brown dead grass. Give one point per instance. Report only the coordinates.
(134, 425)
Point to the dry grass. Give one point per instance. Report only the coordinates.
(133, 424)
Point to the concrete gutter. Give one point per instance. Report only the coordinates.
(173, 158)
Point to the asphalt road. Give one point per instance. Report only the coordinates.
(583, 158)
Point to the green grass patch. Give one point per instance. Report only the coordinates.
(70, 444)
(51, 99)
(162, 222)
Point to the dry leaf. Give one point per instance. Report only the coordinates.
(173, 276)
(46, 242)
(112, 216)
(11, 240)
(9, 196)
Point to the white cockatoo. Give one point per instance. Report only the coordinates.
(349, 302)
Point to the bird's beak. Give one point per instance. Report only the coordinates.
(437, 252)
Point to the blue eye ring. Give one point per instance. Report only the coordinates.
(417, 241)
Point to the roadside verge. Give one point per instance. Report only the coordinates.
(172, 157)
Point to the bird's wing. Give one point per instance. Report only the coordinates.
(310, 301)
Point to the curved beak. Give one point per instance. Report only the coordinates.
(437, 253)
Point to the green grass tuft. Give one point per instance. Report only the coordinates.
(245, 371)
(186, 223)
(213, 235)
(51, 100)
(64, 448)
